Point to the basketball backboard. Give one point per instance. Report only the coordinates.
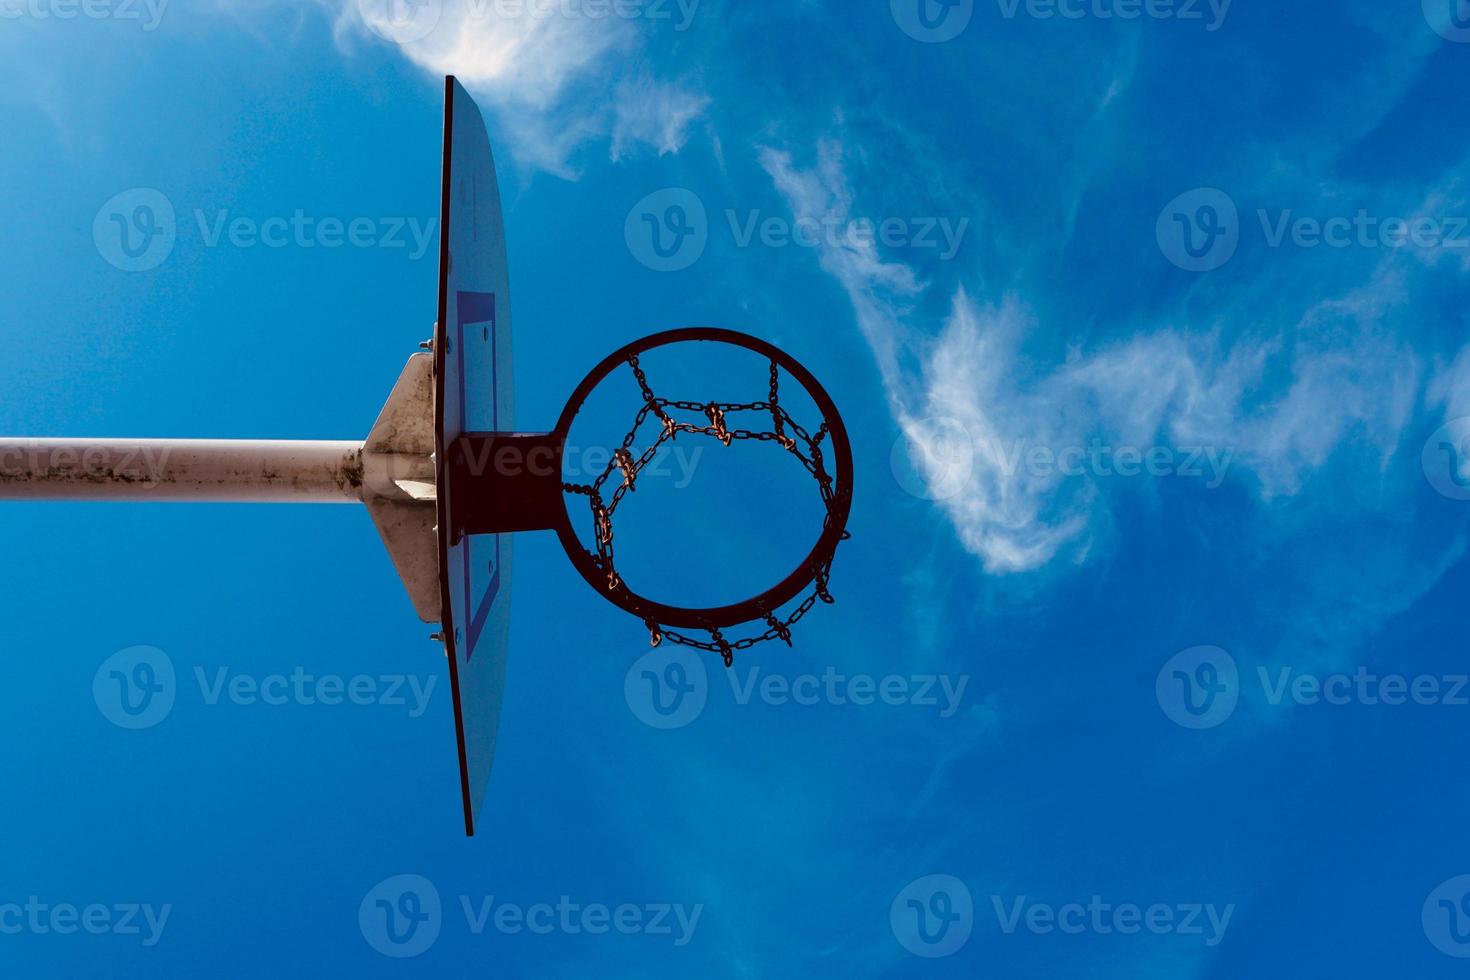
(473, 393)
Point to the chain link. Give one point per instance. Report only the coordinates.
(717, 413)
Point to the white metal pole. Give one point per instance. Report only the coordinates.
(182, 470)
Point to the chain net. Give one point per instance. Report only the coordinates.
(783, 430)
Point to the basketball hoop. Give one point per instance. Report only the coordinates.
(444, 474)
(500, 501)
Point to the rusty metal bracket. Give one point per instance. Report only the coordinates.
(506, 481)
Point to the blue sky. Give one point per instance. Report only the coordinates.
(1148, 324)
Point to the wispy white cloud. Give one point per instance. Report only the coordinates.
(1014, 523)
(881, 292)
(653, 113)
(523, 59)
(552, 78)
(1269, 410)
